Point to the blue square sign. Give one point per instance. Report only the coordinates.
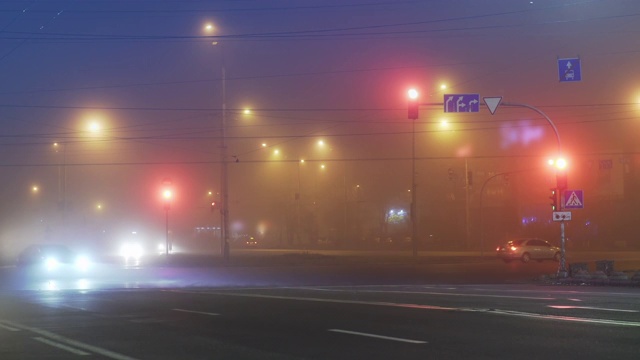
(569, 70)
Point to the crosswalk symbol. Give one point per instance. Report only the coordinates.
(573, 201)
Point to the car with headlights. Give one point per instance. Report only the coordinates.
(53, 259)
(528, 249)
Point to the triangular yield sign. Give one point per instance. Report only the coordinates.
(492, 103)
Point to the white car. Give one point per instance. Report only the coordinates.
(527, 250)
(53, 258)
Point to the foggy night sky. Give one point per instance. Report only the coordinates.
(309, 70)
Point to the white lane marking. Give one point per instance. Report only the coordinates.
(437, 293)
(196, 312)
(7, 327)
(555, 317)
(576, 300)
(378, 336)
(424, 307)
(71, 342)
(62, 346)
(73, 307)
(415, 306)
(589, 308)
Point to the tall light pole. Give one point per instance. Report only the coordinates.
(413, 115)
(561, 184)
(62, 177)
(224, 176)
(167, 194)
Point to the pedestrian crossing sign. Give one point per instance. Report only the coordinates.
(573, 199)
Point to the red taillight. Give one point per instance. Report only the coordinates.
(498, 248)
(513, 248)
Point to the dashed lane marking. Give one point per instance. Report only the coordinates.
(62, 346)
(378, 336)
(66, 341)
(196, 312)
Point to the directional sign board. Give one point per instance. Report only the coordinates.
(573, 199)
(561, 215)
(461, 103)
(569, 70)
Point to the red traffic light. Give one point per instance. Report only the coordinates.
(414, 106)
(413, 110)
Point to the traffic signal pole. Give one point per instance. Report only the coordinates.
(413, 114)
(562, 269)
(561, 180)
(561, 185)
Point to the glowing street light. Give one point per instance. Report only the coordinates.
(559, 163)
(94, 127)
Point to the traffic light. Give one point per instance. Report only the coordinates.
(554, 199)
(413, 104)
(413, 110)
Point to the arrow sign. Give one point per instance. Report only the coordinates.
(492, 103)
(461, 102)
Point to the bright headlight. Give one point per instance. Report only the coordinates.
(82, 263)
(51, 263)
(131, 251)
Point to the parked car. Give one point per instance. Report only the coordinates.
(52, 258)
(527, 250)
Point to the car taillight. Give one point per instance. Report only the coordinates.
(498, 248)
(513, 248)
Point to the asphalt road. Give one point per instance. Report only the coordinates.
(317, 308)
(352, 322)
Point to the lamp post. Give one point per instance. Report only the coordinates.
(224, 176)
(413, 115)
(62, 177)
(167, 194)
(561, 184)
